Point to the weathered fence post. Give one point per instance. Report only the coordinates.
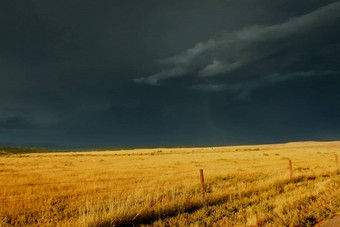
(202, 183)
(290, 168)
(337, 162)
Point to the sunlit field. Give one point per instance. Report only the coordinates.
(245, 186)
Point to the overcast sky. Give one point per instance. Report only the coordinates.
(87, 73)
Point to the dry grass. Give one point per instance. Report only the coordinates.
(246, 186)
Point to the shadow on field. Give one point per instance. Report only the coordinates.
(276, 188)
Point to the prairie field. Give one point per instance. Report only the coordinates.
(244, 186)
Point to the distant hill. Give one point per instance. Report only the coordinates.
(4, 150)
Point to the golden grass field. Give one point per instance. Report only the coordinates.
(246, 186)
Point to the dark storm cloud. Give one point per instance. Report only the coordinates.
(243, 90)
(239, 48)
(78, 73)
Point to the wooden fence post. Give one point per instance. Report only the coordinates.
(337, 162)
(202, 183)
(290, 168)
